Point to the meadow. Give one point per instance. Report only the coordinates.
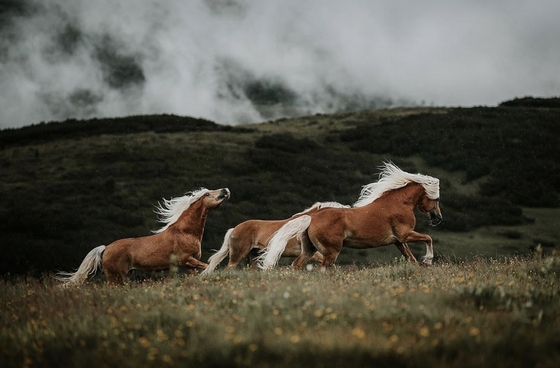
(482, 312)
(491, 298)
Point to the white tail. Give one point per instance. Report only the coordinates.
(219, 256)
(279, 241)
(89, 265)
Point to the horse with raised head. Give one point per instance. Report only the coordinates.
(178, 243)
(254, 235)
(383, 215)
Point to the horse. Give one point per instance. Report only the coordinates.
(382, 215)
(177, 243)
(250, 235)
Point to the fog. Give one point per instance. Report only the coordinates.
(240, 61)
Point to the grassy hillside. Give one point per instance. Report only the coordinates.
(69, 186)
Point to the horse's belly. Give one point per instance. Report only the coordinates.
(150, 268)
(367, 243)
(153, 265)
(151, 260)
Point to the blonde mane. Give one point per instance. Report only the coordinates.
(392, 177)
(170, 210)
(319, 205)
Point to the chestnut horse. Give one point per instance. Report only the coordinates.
(383, 215)
(178, 243)
(255, 235)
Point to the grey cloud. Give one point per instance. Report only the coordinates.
(237, 61)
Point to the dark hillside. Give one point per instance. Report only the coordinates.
(516, 148)
(67, 187)
(532, 102)
(72, 128)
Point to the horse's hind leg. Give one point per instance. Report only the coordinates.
(300, 261)
(192, 262)
(254, 257)
(330, 255)
(114, 278)
(406, 252)
(115, 273)
(330, 246)
(307, 251)
(317, 257)
(116, 264)
(238, 250)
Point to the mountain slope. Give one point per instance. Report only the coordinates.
(67, 187)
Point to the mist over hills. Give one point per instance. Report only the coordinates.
(69, 186)
(243, 61)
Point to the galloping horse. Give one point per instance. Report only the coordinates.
(177, 243)
(383, 215)
(255, 234)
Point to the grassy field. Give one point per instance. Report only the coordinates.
(501, 312)
(491, 299)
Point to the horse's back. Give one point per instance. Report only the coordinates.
(258, 230)
(254, 224)
(137, 250)
(354, 228)
(119, 246)
(328, 218)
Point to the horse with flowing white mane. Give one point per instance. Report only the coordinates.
(383, 215)
(255, 235)
(178, 243)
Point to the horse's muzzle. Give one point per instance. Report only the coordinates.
(225, 194)
(435, 218)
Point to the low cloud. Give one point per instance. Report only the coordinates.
(246, 60)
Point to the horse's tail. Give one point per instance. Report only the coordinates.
(279, 241)
(89, 265)
(219, 256)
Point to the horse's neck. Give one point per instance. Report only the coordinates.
(193, 220)
(408, 196)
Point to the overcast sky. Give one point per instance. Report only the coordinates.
(103, 58)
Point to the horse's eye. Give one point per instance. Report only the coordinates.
(207, 194)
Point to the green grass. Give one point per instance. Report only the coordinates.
(482, 312)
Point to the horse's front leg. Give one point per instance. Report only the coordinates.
(406, 252)
(415, 237)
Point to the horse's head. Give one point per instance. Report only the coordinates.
(214, 198)
(431, 208)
